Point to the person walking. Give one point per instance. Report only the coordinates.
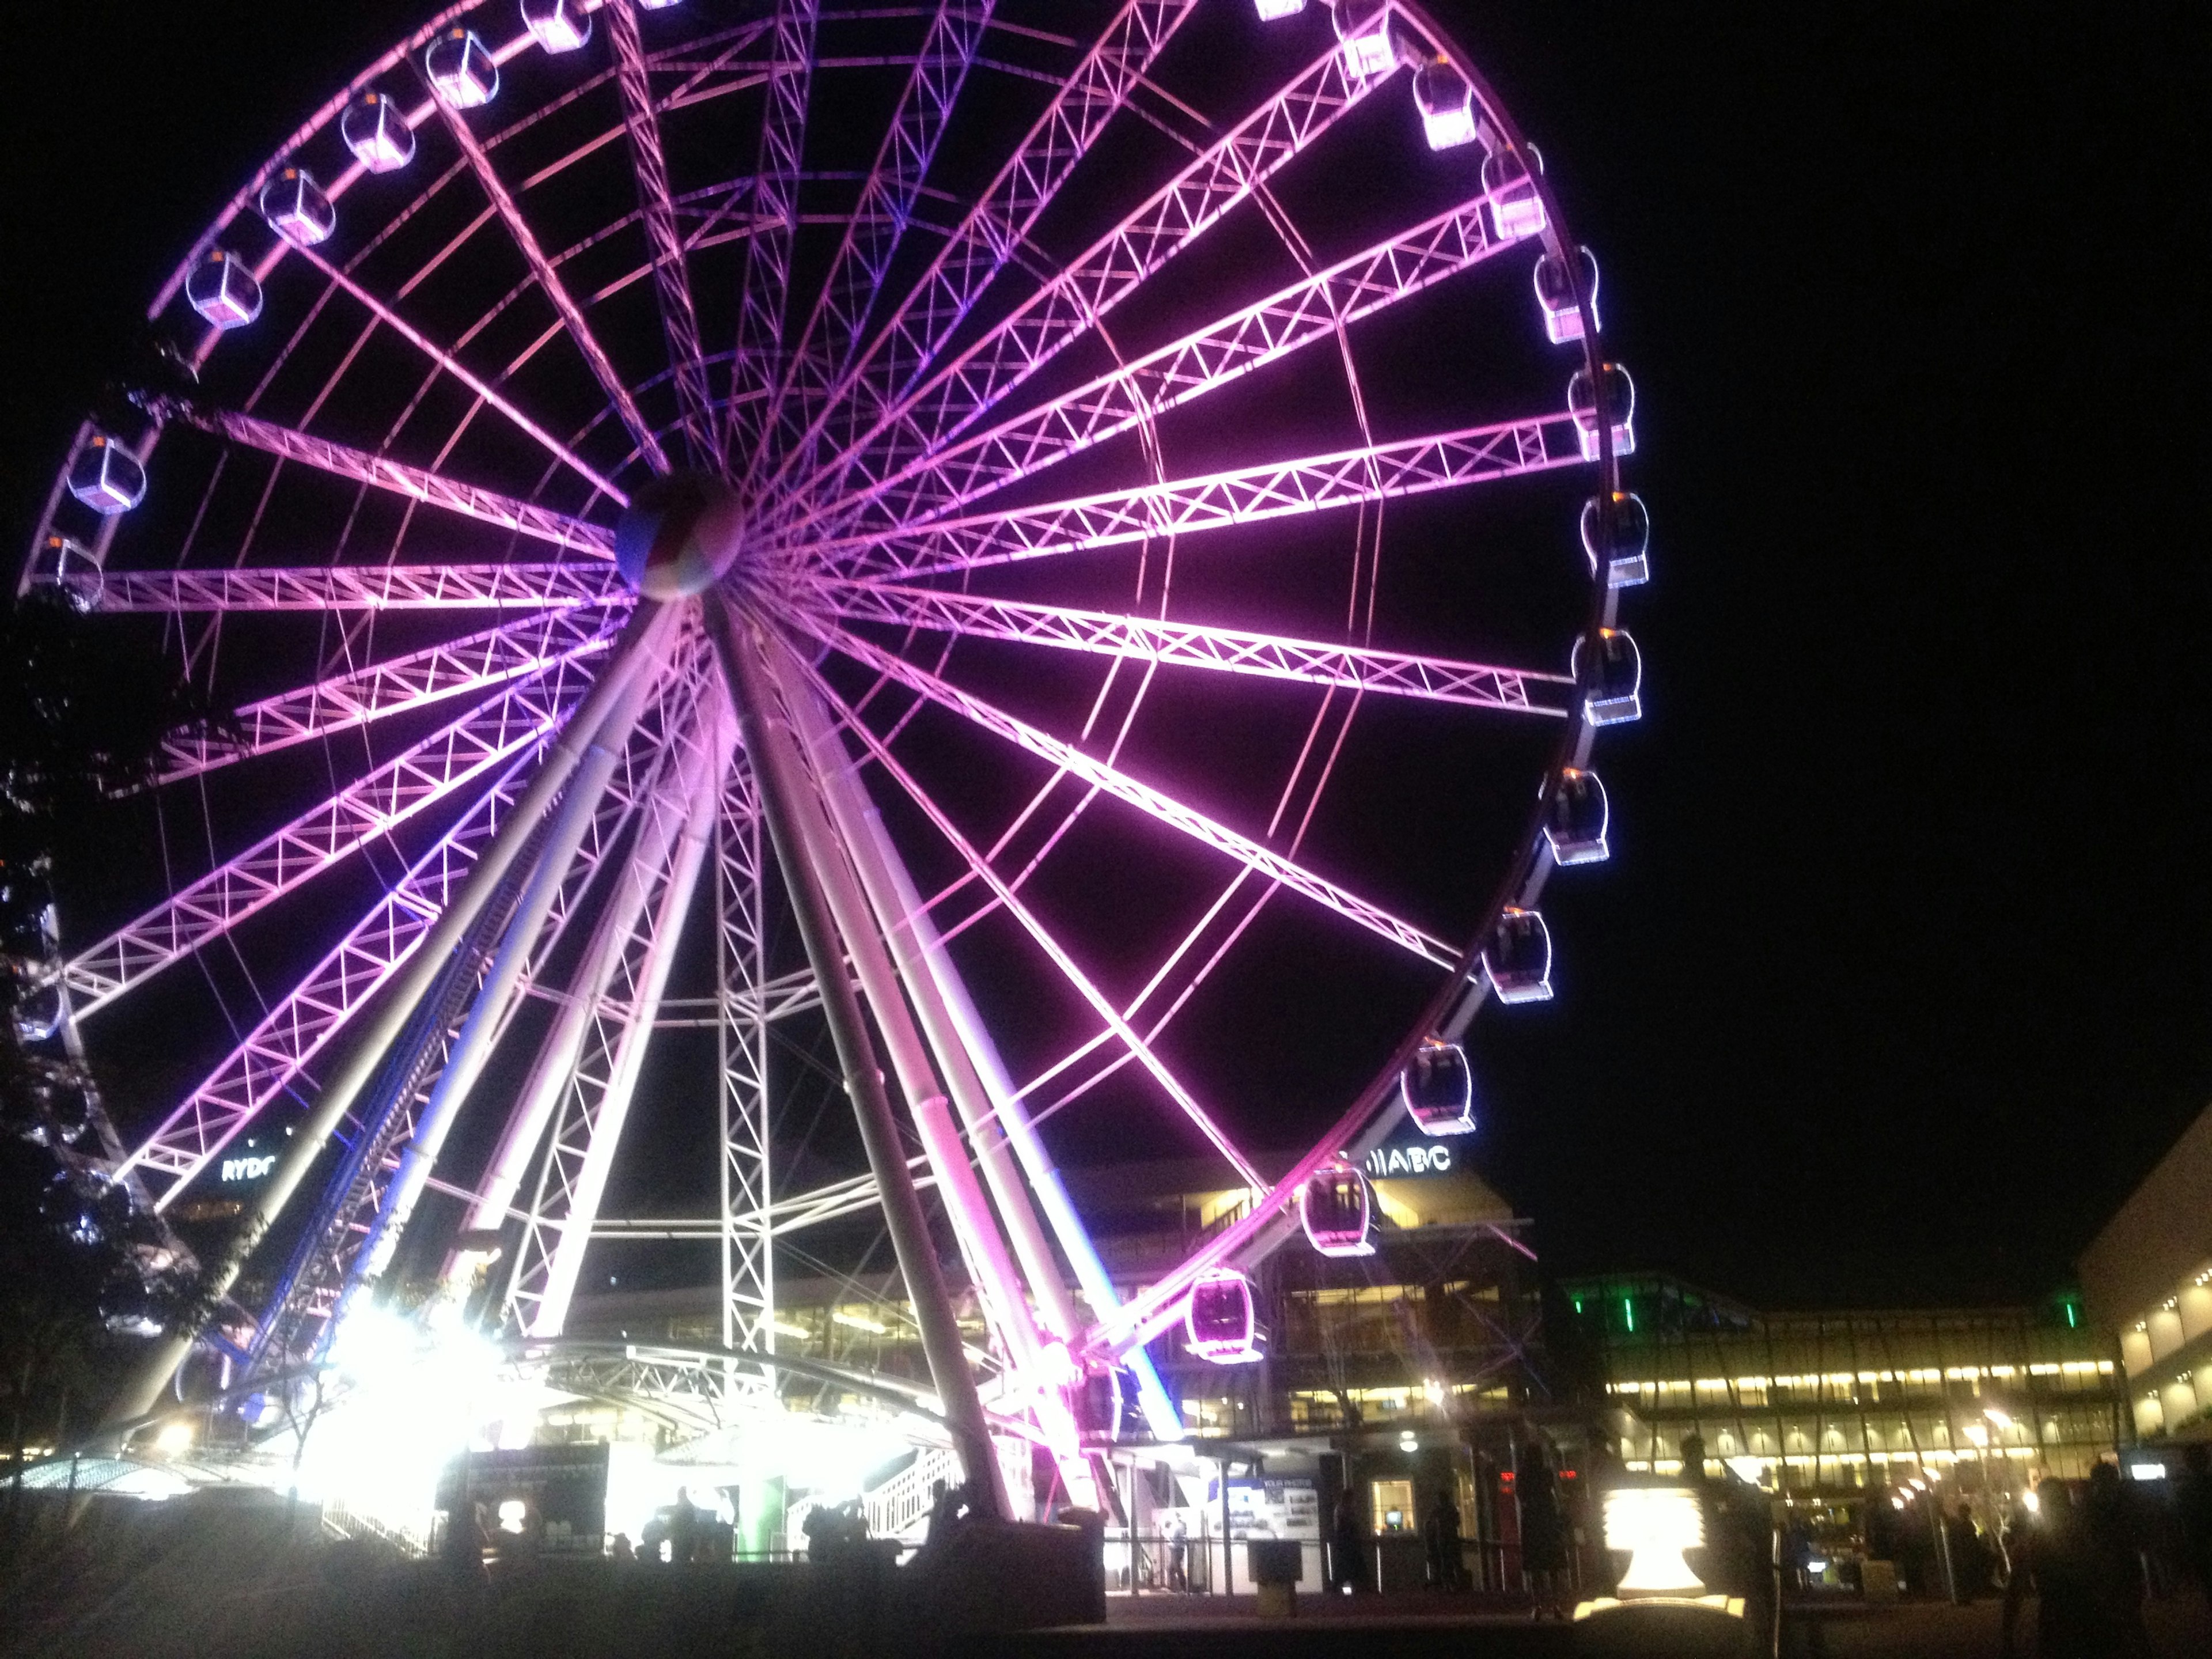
(1543, 1533)
(683, 1528)
(2192, 1502)
(1346, 1548)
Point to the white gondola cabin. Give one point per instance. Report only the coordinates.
(1335, 1205)
(376, 131)
(1219, 1323)
(1518, 957)
(1620, 539)
(1576, 825)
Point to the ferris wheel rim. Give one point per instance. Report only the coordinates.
(1531, 867)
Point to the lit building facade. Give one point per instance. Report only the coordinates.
(2146, 1278)
(1827, 1405)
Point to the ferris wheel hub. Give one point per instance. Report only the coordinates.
(679, 536)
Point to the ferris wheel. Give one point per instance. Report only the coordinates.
(1077, 545)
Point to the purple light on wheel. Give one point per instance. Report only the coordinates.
(1516, 209)
(1619, 411)
(1518, 957)
(1623, 544)
(223, 291)
(1610, 672)
(377, 133)
(1580, 817)
(557, 25)
(1219, 1325)
(1563, 317)
(1334, 1207)
(296, 209)
(1446, 102)
(107, 477)
(461, 72)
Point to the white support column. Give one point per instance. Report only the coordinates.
(741, 974)
(629, 1054)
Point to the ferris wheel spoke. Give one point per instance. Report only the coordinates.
(1100, 1004)
(549, 280)
(477, 662)
(1261, 860)
(995, 226)
(415, 483)
(444, 358)
(672, 280)
(357, 587)
(968, 388)
(833, 329)
(1348, 477)
(1190, 645)
(1190, 368)
(278, 864)
(272, 1056)
(764, 291)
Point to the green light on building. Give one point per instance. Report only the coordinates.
(1628, 1310)
(2073, 1316)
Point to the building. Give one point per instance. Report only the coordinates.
(1822, 1406)
(1410, 1373)
(2147, 1283)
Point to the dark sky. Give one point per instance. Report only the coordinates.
(1896, 983)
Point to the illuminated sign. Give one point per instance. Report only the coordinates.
(1394, 1163)
(248, 1169)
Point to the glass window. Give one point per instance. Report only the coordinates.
(1394, 1506)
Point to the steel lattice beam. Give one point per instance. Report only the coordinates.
(748, 1259)
(1190, 645)
(287, 1039)
(1084, 986)
(474, 662)
(1098, 279)
(359, 587)
(1184, 370)
(833, 332)
(453, 365)
(671, 281)
(767, 252)
(1262, 861)
(1348, 477)
(549, 280)
(996, 227)
(417, 483)
(280, 863)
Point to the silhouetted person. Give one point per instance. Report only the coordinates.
(683, 1528)
(1346, 1548)
(1543, 1533)
(620, 1550)
(2055, 1563)
(2115, 1537)
(948, 1507)
(1178, 1537)
(1440, 1533)
(2192, 1507)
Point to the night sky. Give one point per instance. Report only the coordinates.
(1895, 984)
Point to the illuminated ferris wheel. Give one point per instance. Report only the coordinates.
(1070, 544)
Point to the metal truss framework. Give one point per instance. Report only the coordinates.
(1079, 299)
(1194, 645)
(871, 416)
(744, 1233)
(448, 760)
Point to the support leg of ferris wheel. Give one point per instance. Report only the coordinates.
(779, 769)
(550, 1073)
(837, 845)
(995, 1117)
(741, 1066)
(579, 804)
(565, 1262)
(640, 644)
